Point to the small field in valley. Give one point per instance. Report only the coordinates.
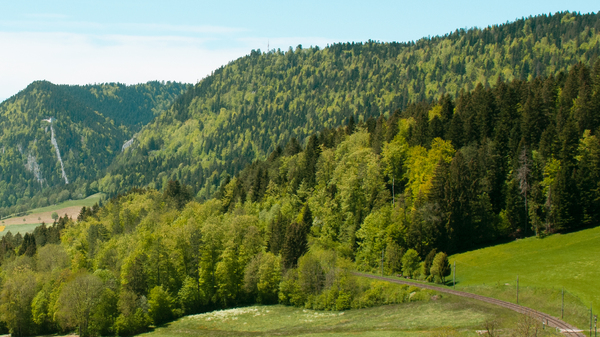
(434, 318)
(544, 266)
(35, 217)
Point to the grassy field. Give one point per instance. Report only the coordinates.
(14, 229)
(544, 266)
(87, 202)
(434, 318)
(35, 217)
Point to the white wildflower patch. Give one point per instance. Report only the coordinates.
(229, 314)
(310, 316)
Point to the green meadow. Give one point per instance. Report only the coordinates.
(24, 228)
(87, 202)
(544, 266)
(446, 316)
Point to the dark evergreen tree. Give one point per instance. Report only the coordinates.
(311, 157)
(292, 147)
(28, 246)
(351, 127)
(296, 239)
(427, 263)
(566, 192)
(177, 193)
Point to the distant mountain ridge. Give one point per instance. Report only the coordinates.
(245, 109)
(91, 123)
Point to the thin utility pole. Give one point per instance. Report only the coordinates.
(454, 276)
(382, 262)
(562, 305)
(517, 289)
(591, 319)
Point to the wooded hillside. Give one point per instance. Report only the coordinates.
(245, 109)
(91, 123)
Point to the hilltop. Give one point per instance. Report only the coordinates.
(247, 108)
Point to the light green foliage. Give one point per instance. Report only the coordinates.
(410, 263)
(18, 292)
(78, 301)
(133, 318)
(269, 277)
(420, 167)
(395, 152)
(229, 275)
(160, 305)
(393, 258)
(373, 237)
(381, 293)
(209, 258)
(191, 296)
(44, 306)
(550, 172)
(440, 268)
(290, 291)
(106, 312)
(359, 182)
(311, 274)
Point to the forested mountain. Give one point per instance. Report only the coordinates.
(245, 109)
(130, 105)
(90, 124)
(521, 158)
(516, 160)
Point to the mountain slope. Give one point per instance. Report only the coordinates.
(131, 105)
(245, 109)
(89, 124)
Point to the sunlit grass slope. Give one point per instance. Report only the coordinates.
(570, 260)
(87, 202)
(411, 319)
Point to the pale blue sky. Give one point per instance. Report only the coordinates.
(79, 42)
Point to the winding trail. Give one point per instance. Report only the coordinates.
(566, 328)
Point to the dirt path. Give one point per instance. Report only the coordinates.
(565, 328)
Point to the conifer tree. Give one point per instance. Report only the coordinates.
(566, 192)
(427, 263)
(296, 239)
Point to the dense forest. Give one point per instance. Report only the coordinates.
(247, 108)
(274, 178)
(91, 124)
(521, 158)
